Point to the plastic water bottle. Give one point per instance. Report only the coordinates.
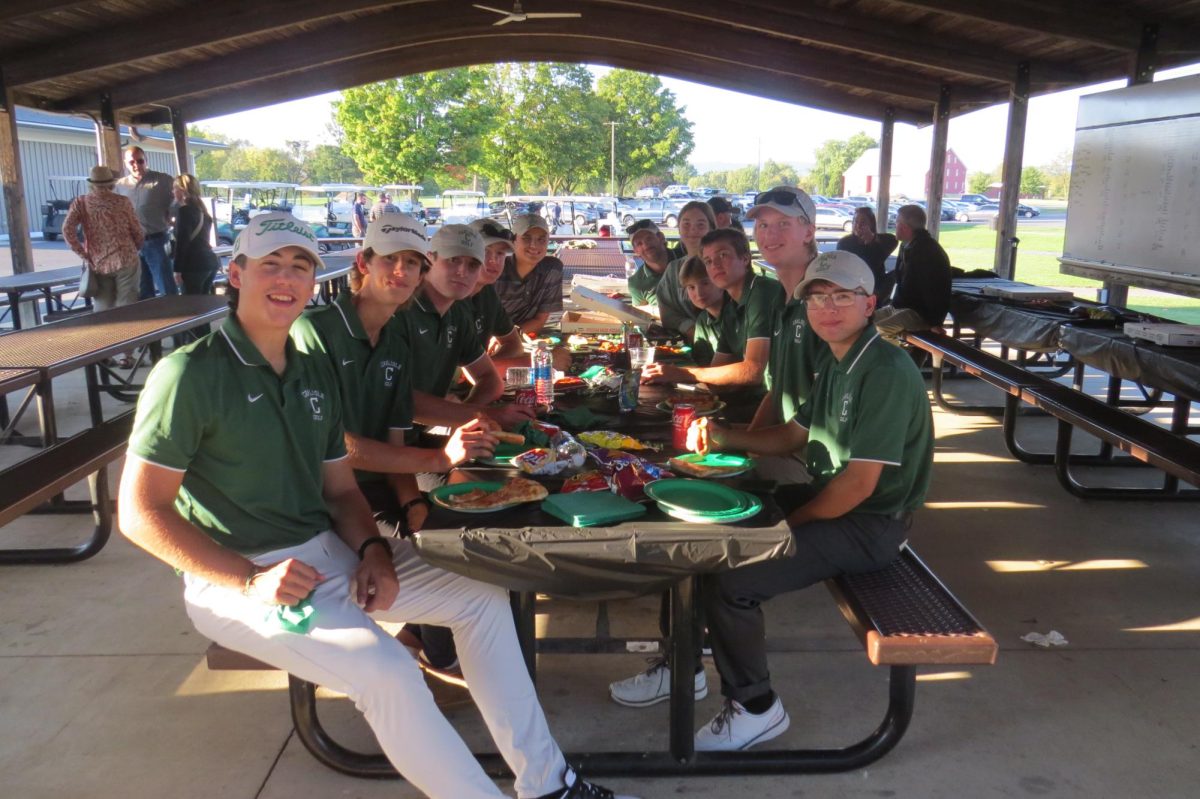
(543, 375)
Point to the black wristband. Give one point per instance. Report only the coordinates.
(423, 500)
(375, 539)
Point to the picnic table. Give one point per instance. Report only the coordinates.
(50, 283)
(36, 357)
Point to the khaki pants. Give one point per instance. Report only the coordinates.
(116, 288)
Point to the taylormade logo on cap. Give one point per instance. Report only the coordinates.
(268, 233)
(395, 232)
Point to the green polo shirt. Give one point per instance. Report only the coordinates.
(872, 406)
(251, 444)
(491, 320)
(643, 285)
(440, 344)
(707, 336)
(795, 350)
(676, 311)
(751, 317)
(375, 382)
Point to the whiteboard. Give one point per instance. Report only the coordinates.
(1135, 184)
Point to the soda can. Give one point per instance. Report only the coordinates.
(526, 396)
(681, 419)
(627, 398)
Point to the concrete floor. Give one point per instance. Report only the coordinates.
(104, 692)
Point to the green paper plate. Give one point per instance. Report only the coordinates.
(697, 497)
(440, 494)
(503, 454)
(735, 463)
(747, 513)
(716, 408)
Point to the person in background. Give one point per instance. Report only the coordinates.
(195, 263)
(112, 237)
(678, 316)
(383, 205)
(358, 219)
(746, 323)
(922, 296)
(530, 288)
(150, 193)
(867, 432)
(874, 248)
(237, 475)
(708, 298)
(722, 210)
(650, 245)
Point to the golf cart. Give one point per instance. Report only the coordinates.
(407, 197)
(339, 204)
(250, 198)
(460, 206)
(54, 211)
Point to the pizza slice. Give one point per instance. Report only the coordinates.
(700, 469)
(515, 491)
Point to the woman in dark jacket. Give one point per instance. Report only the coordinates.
(195, 261)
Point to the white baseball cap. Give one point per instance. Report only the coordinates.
(454, 240)
(394, 232)
(841, 268)
(270, 232)
(787, 200)
(524, 222)
(493, 233)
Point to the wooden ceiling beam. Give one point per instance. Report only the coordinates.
(859, 34)
(1099, 23)
(198, 24)
(735, 50)
(482, 50)
(21, 9)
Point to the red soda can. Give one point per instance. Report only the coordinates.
(681, 419)
(526, 396)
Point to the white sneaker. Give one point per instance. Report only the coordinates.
(735, 728)
(651, 686)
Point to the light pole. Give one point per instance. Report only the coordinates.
(612, 158)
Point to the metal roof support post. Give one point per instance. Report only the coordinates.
(1014, 150)
(183, 162)
(1144, 67)
(108, 137)
(883, 191)
(937, 162)
(13, 185)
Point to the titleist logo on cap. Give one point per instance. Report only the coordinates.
(272, 225)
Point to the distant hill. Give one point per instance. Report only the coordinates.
(725, 166)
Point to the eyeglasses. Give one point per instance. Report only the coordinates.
(839, 299)
(497, 232)
(641, 224)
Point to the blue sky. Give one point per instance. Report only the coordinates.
(730, 128)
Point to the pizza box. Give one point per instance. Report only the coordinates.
(1026, 293)
(610, 284)
(1165, 334)
(618, 309)
(589, 324)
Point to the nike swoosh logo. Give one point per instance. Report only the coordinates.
(422, 330)
(255, 398)
(347, 361)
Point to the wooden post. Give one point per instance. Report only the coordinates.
(883, 191)
(1014, 149)
(109, 137)
(1143, 72)
(183, 162)
(14, 186)
(937, 162)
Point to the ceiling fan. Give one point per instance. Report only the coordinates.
(518, 14)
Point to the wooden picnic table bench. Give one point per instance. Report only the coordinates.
(1173, 453)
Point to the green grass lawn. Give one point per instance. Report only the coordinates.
(973, 246)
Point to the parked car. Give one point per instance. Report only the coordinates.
(660, 211)
(978, 213)
(975, 199)
(834, 216)
(649, 192)
(1027, 211)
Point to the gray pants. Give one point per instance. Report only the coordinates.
(856, 542)
(892, 321)
(116, 288)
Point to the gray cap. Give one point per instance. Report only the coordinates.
(787, 200)
(841, 268)
(454, 240)
(523, 223)
(267, 233)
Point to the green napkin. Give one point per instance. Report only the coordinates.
(295, 618)
(591, 371)
(533, 436)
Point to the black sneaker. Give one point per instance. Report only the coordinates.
(579, 788)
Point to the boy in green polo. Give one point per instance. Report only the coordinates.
(237, 476)
(868, 431)
(745, 322)
(708, 299)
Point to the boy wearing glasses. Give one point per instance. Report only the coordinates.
(868, 431)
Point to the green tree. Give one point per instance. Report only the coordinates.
(404, 129)
(776, 174)
(978, 181)
(834, 157)
(326, 163)
(681, 173)
(210, 163)
(1058, 175)
(1033, 182)
(260, 164)
(653, 135)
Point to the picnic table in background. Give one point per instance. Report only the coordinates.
(51, 284)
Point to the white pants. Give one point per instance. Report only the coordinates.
(344, 650)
